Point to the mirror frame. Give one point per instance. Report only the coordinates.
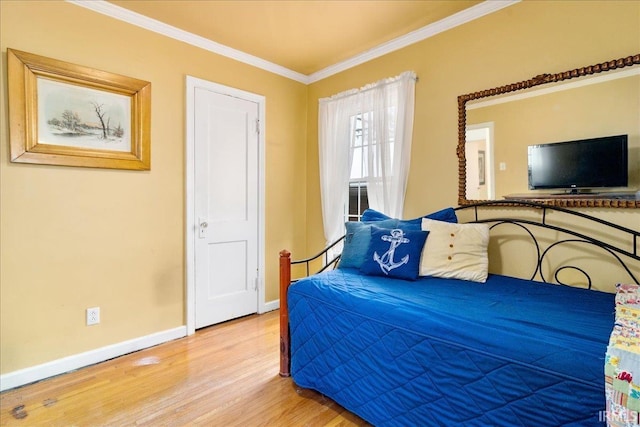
(526, 84)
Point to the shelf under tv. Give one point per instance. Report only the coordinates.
(624, 195)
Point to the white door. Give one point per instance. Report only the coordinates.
(226, 206)
(479, 156)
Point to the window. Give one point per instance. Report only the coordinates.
(358, 200)
(364, 144)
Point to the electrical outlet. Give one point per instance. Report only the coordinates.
(93, 316)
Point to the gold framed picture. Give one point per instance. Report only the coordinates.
(67, 114)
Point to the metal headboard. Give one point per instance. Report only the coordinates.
(623, 256)
(482, 214)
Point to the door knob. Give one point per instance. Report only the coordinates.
(202, 228)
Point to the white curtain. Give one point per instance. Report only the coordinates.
(335, 161)
(387, 110)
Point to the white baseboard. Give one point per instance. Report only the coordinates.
(271, 305)
(76, 361)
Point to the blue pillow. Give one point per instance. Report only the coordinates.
(399, 223)
(373, 215)
(394, 253)
(358, 234)
(446, 215)
(356, 244)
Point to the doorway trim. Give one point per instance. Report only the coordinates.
(190, 223)
(484, 131)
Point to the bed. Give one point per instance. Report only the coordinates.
(445, 350)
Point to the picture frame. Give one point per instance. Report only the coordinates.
(66, 114)
(481, 167)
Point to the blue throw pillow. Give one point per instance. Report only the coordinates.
(358, 234)
(356, 244)
(394, 253)
(446, 215)
(373, 215)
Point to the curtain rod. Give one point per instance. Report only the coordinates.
(370, 86)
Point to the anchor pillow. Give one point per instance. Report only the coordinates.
(394, 253)
(358, 234)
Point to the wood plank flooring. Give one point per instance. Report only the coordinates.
(224, 375)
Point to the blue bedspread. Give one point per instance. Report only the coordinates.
(446, 352)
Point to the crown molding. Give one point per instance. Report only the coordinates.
(418, 35)
(122, 14)
(462, 17)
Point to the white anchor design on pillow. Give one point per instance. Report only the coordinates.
(386, 261)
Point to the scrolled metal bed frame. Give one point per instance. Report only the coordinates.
(618, 253)
(628, 257)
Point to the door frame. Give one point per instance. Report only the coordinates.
(190, 223)
(485, 132)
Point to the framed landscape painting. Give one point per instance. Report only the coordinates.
(66, 114)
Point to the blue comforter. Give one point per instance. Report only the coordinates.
(445, 352)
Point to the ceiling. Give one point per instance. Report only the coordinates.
(305, 36)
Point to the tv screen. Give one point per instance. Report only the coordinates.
(584, 164)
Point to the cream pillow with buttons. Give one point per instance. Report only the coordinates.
(455, 251)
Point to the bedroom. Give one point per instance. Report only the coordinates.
(64, 229)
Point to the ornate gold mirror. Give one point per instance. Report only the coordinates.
(496, 127)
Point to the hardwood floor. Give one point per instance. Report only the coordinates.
(224, 375)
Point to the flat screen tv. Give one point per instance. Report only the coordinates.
(586, 164)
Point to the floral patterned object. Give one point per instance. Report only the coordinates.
(622, 362)
(628, 295)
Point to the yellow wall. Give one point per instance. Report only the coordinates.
(73, 238)
(514, 44)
